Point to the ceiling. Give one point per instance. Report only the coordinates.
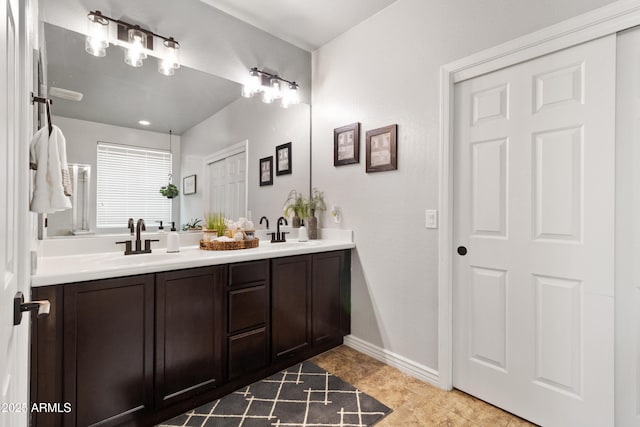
(120, 95)
(307, 24)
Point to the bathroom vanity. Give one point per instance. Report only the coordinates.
(135, 342)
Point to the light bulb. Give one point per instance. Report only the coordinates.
(97, 42)
(267, 95)
(290, 96)
(171, 58)
(137, 44)
(276, 88)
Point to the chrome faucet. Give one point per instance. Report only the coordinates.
(138, 248)
(264, 218)
(279, 237)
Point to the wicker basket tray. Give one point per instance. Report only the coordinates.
(229, 246)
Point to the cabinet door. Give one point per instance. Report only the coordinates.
(189, 320)
(291, 311)
(327, 309)
(108, 350)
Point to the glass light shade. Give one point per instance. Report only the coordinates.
(97, 42)
(171, 58)
(253, 84)
(247, 92)
(137, 44)
(276, 88)
(267, 95)
(290, 96)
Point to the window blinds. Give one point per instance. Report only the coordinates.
(129, 181)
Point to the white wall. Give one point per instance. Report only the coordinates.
(82, 137)
(265, 126)
(385, 71)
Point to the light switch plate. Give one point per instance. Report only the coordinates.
(431, 218)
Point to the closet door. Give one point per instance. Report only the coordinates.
(534, 222)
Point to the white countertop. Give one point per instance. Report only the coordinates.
(53, 270)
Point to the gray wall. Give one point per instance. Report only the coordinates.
(265, 126)
(385, 71)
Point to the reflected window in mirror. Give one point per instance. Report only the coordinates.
(128, 185)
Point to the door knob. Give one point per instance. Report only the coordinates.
(19, 306)
(462, 250)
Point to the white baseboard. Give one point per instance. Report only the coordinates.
(390, 358)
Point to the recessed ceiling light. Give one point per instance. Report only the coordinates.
(144, 122)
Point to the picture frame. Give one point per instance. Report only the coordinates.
(266, 171)
(283, 159)
(382, 149)
(189, 185)
(346, 145)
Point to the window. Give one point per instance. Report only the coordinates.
(129, 181)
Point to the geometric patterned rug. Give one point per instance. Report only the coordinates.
(303, 395)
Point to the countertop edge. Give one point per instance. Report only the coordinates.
(228, 257)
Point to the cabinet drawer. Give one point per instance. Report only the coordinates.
(247, 308)
(247, 352)
(245, 273)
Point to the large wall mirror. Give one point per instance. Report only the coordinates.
(207, 118)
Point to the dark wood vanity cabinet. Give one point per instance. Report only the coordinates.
(330, 296)
(188, 332)
(291, 306)
(248, 303)
(310, 302)
(108, 350)
(141, 349)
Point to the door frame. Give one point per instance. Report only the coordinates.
(601, 22)
(240, 147)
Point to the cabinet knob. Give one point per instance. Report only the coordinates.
(462, 250)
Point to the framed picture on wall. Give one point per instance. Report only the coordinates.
(189, 185)
(283, 159)
(382, 149)
(266, 171)
(346, 145)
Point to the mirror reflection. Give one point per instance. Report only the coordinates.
(216, 135)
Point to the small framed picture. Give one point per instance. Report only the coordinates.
(189, 184)
(382, 149)
(266, 171)
(283, 159)
(346, 145)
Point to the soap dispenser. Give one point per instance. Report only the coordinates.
(173, 239)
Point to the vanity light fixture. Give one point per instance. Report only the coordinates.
(137, 42)
(272, 87)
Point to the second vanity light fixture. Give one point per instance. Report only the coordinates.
(136, 40)
(272, 87)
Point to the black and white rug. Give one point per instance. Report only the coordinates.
(304, 395)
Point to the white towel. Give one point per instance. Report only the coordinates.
(49, 154)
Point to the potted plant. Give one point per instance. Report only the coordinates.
(316, 203)
(192, 225)
(214, 226)
(296, 205)
(169, 191)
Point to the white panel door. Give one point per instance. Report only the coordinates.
(534, 208)
(236, 185)
(217, 186)
(13, 342)
(227, 185)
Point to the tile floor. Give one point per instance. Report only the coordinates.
(414, 403)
